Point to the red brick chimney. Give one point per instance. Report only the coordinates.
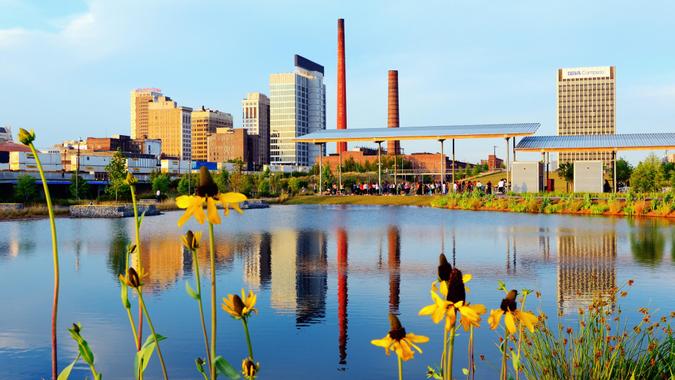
(341, 85)
(393, 146)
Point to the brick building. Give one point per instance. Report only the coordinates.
(233, 144)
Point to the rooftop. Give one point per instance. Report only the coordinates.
(633, 141)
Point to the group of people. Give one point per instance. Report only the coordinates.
(488, 188)
(418, 188)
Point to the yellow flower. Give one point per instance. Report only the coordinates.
(207, 194)
(240, 307)
(132, 278)
(450, 298)
(191, 240)
(399, 341)
(249, 368)
(509, 310)
(25, 137)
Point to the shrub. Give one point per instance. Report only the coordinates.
(25, 190)
(641, 207)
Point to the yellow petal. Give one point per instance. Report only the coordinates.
(444, 289)
(438, 314)
(198, 213)
(510, 323)
(450, 319)
(478, 308)
(184, 201)
(467, 277)
(384, 342)
(494, 318)
(232, 197)
(212, 211)
(416, 338)
(428, 310)
(185, 217)
(528, 319)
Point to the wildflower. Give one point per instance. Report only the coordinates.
(240, 307)
(132, 278)
(26, 137)
(399, 341)
(453, 301)
(509, 309)
(207, 194)
(130, 179)
(191, 240)
(249, 368)
(444, 268)
(631, 282)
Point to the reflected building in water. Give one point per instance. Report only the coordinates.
(342, 293)
(294, 262)
(394, 264)
(586, 268)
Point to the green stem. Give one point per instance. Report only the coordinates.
(154, 334)
(212, 257)
(520, 335)
(201, 310)
(504, 369)
(248, 339)
(451, 349)
(445, 349)
(472, 363)
(137, 228)
(400, 368)
(131, 322)
(55, 257)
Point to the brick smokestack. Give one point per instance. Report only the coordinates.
(341, 85)
(393, 146)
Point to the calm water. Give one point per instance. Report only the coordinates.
(326, 275)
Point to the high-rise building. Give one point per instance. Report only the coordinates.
(229, 144)
(255, 114)
(586, 105)
(205, 122)
(297, 107)
(140, 98)
(172, 124)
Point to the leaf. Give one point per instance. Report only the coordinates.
(225, 368)
(140, 219)
(515, 359)
(66, 371)
(145, 353)
(465, 371)
(85, 351)
(124, 295)
(191, 292)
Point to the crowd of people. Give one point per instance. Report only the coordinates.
(419, 188)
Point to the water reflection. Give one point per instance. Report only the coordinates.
(18, 240)
(117, 247)
(586, 268)
(394, 264)
(646, 241)
(342, 257)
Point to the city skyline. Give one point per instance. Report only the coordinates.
(494, 65)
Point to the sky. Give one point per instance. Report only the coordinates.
(67, 66)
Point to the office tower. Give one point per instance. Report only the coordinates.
(229, 144)
(171, 123)
(341, 85)
(393, 146)
(586, 105)
(297, 107)
(256, 120)
(204, 123)
(140, 98)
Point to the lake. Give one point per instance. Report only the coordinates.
(326, 277)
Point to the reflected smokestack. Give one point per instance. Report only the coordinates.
(393, 146)
(341, 85)
(342, 253)
(394, 263)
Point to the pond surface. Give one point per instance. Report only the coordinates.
(326, 277)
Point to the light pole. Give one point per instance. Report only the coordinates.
(77, 171)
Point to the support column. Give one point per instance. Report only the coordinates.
(379, 167)
(614, 170)
(340, 174)
(453, 165)
(514, 148)
(442, 164)
(320, 168)
(508, 166)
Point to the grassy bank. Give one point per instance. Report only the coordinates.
(579, 204)
(31, 212)
(424, 200)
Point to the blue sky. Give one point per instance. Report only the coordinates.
(67, 67)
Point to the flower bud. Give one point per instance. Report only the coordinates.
(26, 137)
(397, 331)
(207, 187)
(191, 240)
(238, 304)
(130, 180)
(456, 290)
(76, 328)
(249, 368)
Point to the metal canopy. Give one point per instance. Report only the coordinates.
(580, 143)
(446, 132)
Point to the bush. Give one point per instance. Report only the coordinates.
(648, 176)
(187, 184)
(25, 190)
(161, 182)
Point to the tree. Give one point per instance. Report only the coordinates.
(223, 180)
(648, 176)
(25, 190)
(161, 182)
(566, 172)
(79, 187)
(623, 170)
(187, 184)
(117, 173)
(264, 187)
